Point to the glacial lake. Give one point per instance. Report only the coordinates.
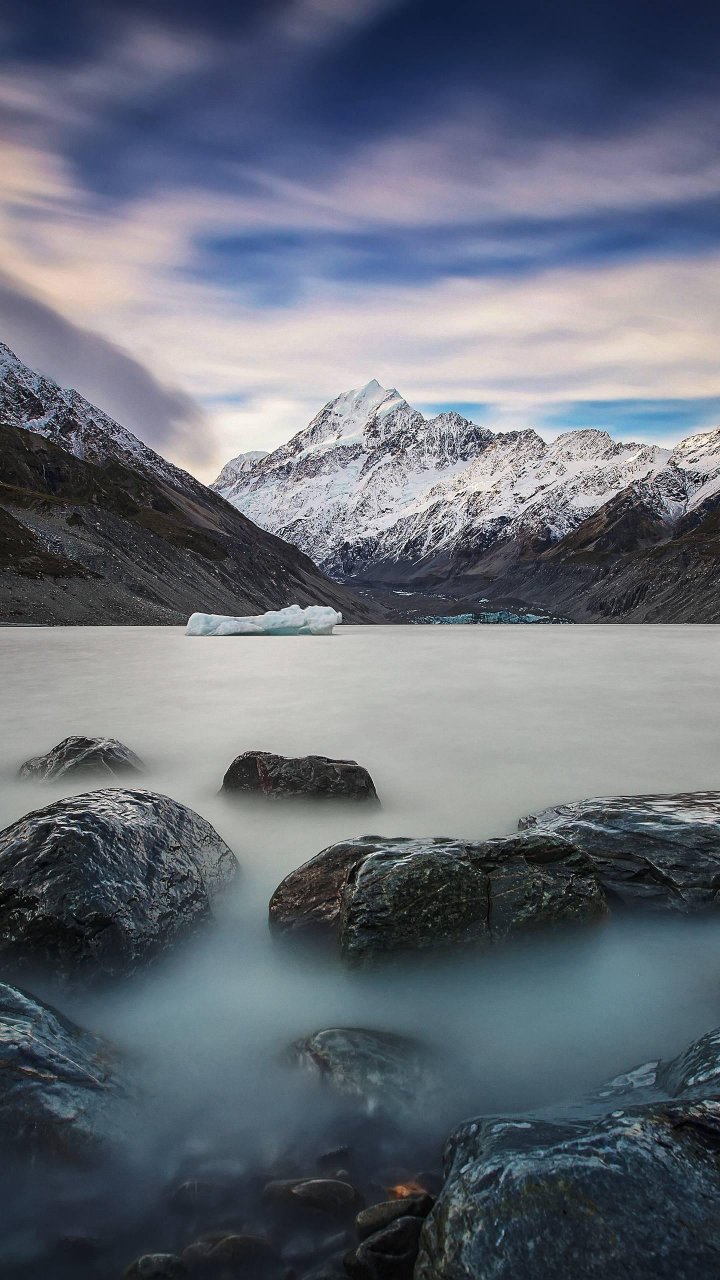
(464, 730)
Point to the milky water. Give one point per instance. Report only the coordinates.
(464, 730)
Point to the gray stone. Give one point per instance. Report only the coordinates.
(379, 896)
(378, 1216)
(635, 1193)
(383, 1070)
(61, 1091)
(263, 773)
(157, 1266)
(656, 851)
(390, 1254)
(100, 882)
(79, 755)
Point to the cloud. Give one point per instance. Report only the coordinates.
(262, 225)
(166, 418)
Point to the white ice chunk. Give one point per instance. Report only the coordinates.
(316, 620)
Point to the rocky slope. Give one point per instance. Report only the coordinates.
(585, 525)
(97, 528)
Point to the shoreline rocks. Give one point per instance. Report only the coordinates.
(655, 851)
(382, 1070)
(379, 896)
(82, 756)
(624, 1182)
(100, 882)
(59, 1084)
(320, 777)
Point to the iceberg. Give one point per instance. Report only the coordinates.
(316, 620)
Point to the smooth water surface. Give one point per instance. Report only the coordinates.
(464, 730)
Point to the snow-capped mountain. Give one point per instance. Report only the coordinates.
(237, 467)
(371, 482)
(36, 403)
(97, 527)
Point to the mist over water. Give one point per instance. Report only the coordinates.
(464, 730)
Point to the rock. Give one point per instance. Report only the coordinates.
(156, 1266)
(656, 851)
(80, 755)
(384, 1070)
(327, 1195)
(390, 1254)
(220, 1252)
(635, 1193)
(379, 1216)
(693, 1074)
(262, 773)
(60, 1087)
(103, 881)
(376, 896)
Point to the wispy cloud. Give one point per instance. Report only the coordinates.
(201, 199)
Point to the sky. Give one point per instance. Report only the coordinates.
(214, 217)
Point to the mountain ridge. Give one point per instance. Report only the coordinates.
(380, 495)
(95, 527)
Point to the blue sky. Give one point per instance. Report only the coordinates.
(249, 207)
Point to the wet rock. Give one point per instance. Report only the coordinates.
(375, 896)
(390, 1254)
(692, 1074)
(656, 851)
(378, 1216)
(327, 1195)
(385, 1071)
(61, 1091)
(633, 1193)
(225, 1254)
(157, 1266)
(79, 755)
(100, 882)
(263, 773)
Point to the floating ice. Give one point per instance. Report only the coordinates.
(316, 620)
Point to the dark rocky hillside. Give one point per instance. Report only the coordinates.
(107, 542)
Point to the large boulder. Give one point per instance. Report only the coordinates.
(382, 1070)
(623, 1183)
(60, 1087)
(635, 1193)
(79, 755)
(266, 774)
(657, 851)
(376, 896)
(102, 881)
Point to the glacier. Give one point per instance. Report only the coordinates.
(315, 620)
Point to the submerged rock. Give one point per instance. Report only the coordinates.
(105, 880)
(60, 1087)
(80, 755)
(325, 1195)
(379, 1216)
(157, 1266)
(378, 896)
(226, 1254)
(634, 1193)
(263, 773)
(389, 1254)
(385, 1071)
(657, 851)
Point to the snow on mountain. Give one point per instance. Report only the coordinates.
(237, 467)
(372, 481)
(36, 403)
